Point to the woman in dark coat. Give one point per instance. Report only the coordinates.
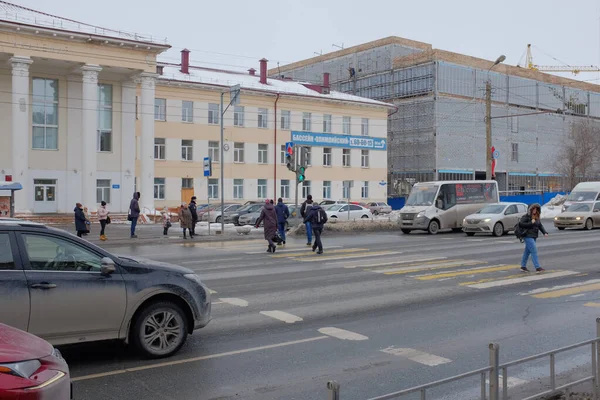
(185, 219)
(80, 220)
(269, 217)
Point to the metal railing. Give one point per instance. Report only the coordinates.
(492, 386)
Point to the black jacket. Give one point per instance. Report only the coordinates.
(316, 216)
(80, 224)
(193, 210)
(532, 229)
(305, 206)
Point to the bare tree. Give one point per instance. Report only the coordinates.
(578, 156)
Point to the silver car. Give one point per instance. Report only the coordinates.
(585, 215)
(496, 218)
(215, 214)
(379, 208)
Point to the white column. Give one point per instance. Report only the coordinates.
(128, 91)
(146, 181)
(20, 131)
(89, 140)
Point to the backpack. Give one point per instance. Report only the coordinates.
(519, 232)
(321, 216)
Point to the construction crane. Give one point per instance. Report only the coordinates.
(553, 68)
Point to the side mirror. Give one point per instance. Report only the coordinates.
(108, 266)
(596, 210)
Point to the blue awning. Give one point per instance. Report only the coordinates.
(10, 186)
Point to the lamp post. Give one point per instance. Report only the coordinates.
(488, 121)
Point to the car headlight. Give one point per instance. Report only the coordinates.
(577, 218)
(487, 220)
(193, 277)
(464, 221)
(421, 215)
(556, 218)
(23, 369)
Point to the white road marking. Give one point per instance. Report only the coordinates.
(572, 285)
(194, 359)
(217, 302)
(458, 270)
(476, 240)
(234, 301)
(291, 249)
(342, 334)
(219, 261)
(212, 291)
(511, 242)
(445, 279)
(525, 278)
(314, 257)
(282, 316)
(417, 356)
(579, 295)
(510, 382)
(404, 261)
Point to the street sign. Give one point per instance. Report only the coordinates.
(234, 93)
(289, 148)
(116, 186)
(207, 167)
(496, 154)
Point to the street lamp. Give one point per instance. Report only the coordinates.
(488, 121)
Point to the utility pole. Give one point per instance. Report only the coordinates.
(488, 130)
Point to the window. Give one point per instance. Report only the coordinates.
(282, 154)
(364, 158)
(238, 116)
(187, 183)
(305, 188)
(160, 109)
(48, 253)
(511, 210)
(327, 123)
(285, 189)
(285, 119)
(514, 155)
(103, 190)
(238, 152)
(364, 127)
(327, 157)
(523, 208)
(514, 124)
(160, 148)
(346, 157)
(347, 185)
(346, 123)
(261, 191)
(326, 189)
(263, 151)
(238, 188)
(364, 190)
(213, 188)
(187, 150)
(263, 118)
(159, 188)
(45, 114)
(306, 121)
(187, 111)
(213, 114)
(6, 256)
(104, 117)
(214, 152)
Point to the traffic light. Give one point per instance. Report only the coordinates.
(290, 161)
(300, 177)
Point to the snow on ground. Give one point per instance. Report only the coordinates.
(554, 207)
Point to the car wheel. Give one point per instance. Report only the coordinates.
(218, 220)
(589, 224)
(434, 227)
(365, 216)
(561, 229)
(160, 329)
(405, 231)
(498, 229)
(470, 233)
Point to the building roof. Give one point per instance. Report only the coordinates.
(222, 78)
(16, 14)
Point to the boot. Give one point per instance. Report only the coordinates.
(103, 237)
(184, 236)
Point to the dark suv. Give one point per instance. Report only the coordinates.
(67, 290)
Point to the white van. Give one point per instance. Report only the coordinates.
(584, 191)
(432, 206)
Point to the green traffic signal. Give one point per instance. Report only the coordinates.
(300, 178)
(300, 174)
(302, 169)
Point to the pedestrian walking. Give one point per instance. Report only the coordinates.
(194, 211)
(185, 220)
(531, 225)
(303, 212)
(134, 213)
(316, 217)
(80, 221)
(103, 218)
(283, 213)
(166, 221)
(268, 216)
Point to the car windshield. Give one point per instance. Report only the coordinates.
(382, 204)
(492, 209)
(422, 196)
(579, 208)
(333, 207)
(582, 196)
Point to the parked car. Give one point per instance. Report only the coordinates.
(234, 217)
(330, 202)
(30, 368)
(379, 208)
(250, 218)
(215, 214)
(584, 215)
(497, 219)
(340, 212)
(67, 290)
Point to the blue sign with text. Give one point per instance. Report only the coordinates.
(331, 140)
(116, 186)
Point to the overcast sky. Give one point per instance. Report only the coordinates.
(287, 31)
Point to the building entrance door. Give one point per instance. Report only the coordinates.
(44, 196)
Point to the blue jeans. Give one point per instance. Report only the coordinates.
(308, 232)
(530, 249)
(133, 225)
(281, 228)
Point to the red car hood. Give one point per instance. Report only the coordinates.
(17, 345)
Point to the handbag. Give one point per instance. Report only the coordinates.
(108, 220)
(169, 224)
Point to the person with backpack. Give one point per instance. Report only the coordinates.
(303, 212)
(283, 213)
(528, 231)
(316, 218)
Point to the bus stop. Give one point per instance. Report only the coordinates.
(7, 198)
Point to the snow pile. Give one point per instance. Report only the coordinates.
(554, 207)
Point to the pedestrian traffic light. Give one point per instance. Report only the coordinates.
(300, 174)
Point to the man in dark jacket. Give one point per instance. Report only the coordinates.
(80, 220)
(316, 217)
(532, 225)
(303, 212)
(194, 210)
(134, 212)
(283, 213)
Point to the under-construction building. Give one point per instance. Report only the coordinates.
(438, 131)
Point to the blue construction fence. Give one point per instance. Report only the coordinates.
(541, 198)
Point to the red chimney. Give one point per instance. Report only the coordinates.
(326, 79)
(185, 61)
(263, 71)
(252, 71)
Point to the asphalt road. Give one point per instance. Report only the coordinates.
(376, 312)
